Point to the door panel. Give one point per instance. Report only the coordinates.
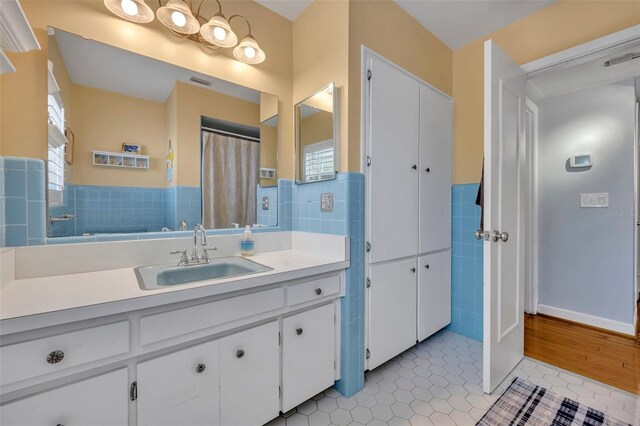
(435, 170)
(392, 309)
(504, 212)
(393, 180)
(308, 354)
(100, 400)
(434, 293)
(172, 390)
(250, 376)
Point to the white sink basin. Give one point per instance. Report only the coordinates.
(158, 276)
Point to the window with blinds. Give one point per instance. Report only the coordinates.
(55, 163)
(318, 161)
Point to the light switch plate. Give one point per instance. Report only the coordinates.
(594, 199)
(265, 203)
(326, 202)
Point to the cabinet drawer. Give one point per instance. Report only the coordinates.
(100, 400)
(311, 290)
(158, 327)
(37, 357)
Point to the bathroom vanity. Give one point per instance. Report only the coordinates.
(82, 343)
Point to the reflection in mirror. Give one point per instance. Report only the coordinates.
(315, 119)
(153, 147)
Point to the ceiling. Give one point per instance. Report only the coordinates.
(455, 22)
(458, 23)
(104, 67)
(290, 9)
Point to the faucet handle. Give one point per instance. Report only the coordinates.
(205, 253)
(183, 259)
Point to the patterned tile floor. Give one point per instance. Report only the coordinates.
(438, 382)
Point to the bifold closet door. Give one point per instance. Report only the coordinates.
(392, 309)
(393, 170)
(435, 170)
(434, 293)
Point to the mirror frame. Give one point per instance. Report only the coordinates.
(336, 139)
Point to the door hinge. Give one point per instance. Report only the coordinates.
(334, 365)
(133, 391)
(368, 353)
(368, 246)
(369, 74)
(368, 161)
(279, 339)
(368, 282)
(279, 392)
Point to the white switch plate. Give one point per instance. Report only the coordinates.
(326, 202)
(594, 199)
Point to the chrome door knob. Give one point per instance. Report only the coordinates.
(479, 234)
(500, 236)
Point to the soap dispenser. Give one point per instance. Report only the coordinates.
(246, 243)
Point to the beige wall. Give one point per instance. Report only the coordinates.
(193, 103)
(389, 31)
(24, 103)
(24, 114)
(321, 56)
(550, 30)
(106, 120)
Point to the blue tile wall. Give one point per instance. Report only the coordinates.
(347, 218)
(269, 216)
(466, 263)
(22, 201)
(188, 206)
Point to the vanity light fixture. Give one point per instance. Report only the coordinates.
(132, 10)
(179, 18)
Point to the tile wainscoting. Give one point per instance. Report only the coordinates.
(466, 263)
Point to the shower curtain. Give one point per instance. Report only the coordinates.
(229, 180)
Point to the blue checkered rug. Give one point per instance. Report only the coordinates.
(524, 403)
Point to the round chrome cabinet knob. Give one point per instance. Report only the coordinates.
(318, 291)
(200, 368)
(55, 357)
(298, 331)
(240, 353)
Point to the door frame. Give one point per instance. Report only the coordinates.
(557, 60)
(531, 224)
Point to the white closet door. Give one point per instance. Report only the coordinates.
(393, 173)
(392, 310)
(434, 293)
(435, 170)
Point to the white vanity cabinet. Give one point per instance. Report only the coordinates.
(98, 401)
(238, 358)
(308, 354)
(181, 388)
(250, 376)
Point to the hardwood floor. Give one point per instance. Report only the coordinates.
(601, 355)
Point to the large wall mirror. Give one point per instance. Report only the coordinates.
(316, 136)
(140, 145)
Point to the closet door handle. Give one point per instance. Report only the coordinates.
(426, 266)
(413, 270)
(200, 368)
(318, 291)
(414, 167)
(298, 331)
(240, 353)
(428, 170)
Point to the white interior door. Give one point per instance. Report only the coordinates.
(504, 215)
(392, 201)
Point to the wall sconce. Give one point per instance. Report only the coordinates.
(180, 19)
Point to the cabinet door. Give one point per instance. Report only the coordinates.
(435, 170)
(392, 309)
(250, 376)
(434, 293)
(393, 174)
(181, 388)
(101, 400)
(308, 355)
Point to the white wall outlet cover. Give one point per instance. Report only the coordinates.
(594, 199)
(326, 202)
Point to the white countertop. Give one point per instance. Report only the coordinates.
(44, 301)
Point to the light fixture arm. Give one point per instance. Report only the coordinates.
(245, 20)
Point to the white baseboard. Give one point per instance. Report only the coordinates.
(607, 324)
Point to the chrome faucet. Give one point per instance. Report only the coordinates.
(196, 259)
